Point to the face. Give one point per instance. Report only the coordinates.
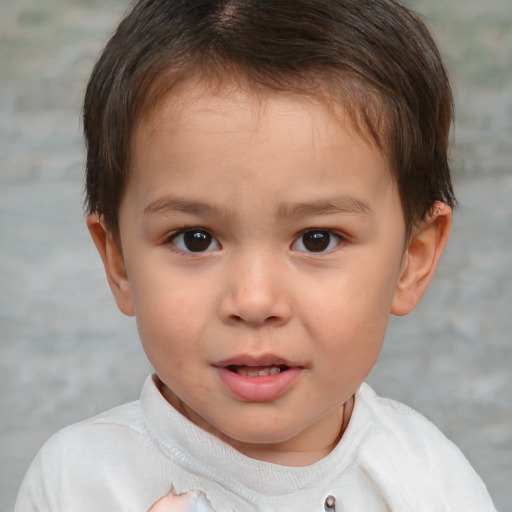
(262, 241)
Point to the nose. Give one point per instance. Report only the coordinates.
(255, 293)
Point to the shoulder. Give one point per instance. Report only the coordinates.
(398, 422)
(92, 456)
(405, 452)
(96, 433)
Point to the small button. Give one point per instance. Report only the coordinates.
(330, 503)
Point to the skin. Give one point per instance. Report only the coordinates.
(258, 172)
(190, 502)
(172, 503)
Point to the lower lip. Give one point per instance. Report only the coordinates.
(264, 388)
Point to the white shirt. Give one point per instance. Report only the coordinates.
(390, 458)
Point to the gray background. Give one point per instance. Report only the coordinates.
(66, 352)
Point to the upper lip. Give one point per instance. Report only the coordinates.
(256, 361)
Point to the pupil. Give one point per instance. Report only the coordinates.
(197, 241)
(316, 241)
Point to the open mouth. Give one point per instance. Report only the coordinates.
(257, 371)
(258, 379)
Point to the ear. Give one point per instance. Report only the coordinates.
(421, 258)
(113, 261)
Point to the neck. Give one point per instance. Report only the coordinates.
(304, 449)
(293, 452)
(285, 457)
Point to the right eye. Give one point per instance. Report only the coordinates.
(194, 240)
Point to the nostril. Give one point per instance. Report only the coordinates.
(248, 320)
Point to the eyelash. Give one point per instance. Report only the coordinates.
(203, 243)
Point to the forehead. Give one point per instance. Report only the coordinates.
(189, 104)
(356, 105)
(197, 113)
(233, 143)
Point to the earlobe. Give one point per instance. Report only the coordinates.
(421, 258)
(112, 256)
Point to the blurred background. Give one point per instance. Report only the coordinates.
(67, 353)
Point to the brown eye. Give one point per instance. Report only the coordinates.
(195, 240)
(317, 240)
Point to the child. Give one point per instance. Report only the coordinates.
(267, 181)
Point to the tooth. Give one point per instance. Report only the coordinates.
(247, 371)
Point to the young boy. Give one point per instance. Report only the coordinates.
(267, 182)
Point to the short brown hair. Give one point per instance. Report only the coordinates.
(375, 58)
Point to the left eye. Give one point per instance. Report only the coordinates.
(317, 240)
(195, 240)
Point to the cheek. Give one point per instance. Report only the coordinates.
(348, 319)
(170, 318)
(166, 295)
(348, 301)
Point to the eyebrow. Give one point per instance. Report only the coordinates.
(173, 204)
(341, 204)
